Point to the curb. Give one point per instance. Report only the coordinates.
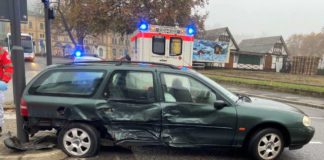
(288, 101)
(53, 154)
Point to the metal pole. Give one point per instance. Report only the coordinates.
(17, 56)
(48, 36)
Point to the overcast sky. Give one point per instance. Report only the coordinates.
(266, 17)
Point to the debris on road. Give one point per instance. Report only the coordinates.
(39, 143)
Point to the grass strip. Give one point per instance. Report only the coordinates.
(271, 84)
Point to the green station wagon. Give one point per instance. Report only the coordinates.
(140, 103)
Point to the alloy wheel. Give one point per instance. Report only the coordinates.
(269, 146)
(76, 141)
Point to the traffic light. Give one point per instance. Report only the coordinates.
(51, 13)
(46, 3)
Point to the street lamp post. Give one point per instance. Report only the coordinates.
(17, 56)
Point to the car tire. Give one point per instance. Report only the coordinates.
(79, 140)
(266, 144)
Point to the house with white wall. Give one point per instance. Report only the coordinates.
(266, 53)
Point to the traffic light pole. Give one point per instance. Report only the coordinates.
(48, 35)
(17, 56)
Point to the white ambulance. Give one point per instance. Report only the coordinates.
(163, 44)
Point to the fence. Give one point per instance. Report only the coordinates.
(305, 65)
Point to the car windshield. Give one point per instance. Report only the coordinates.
(226, 92)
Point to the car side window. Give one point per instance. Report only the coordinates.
(131, 85)
(180, 88)
(68, 83)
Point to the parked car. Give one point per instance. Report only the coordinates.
(139, 103)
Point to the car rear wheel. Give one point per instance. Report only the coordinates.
(79, 140)
(266, 144)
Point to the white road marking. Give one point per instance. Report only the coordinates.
(321, 118)
(315, 142)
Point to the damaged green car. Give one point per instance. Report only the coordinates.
(138, 103)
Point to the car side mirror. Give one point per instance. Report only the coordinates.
(220, 104)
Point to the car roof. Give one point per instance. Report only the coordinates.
(87, 58)
(116, 64)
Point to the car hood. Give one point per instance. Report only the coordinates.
(272, 105)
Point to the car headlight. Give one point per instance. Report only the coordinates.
(306, 121)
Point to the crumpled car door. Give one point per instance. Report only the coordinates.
(129, 121)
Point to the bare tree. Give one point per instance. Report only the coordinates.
(80, 18)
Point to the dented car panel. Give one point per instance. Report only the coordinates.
(185, 124)
(127, 121)
(56, 108)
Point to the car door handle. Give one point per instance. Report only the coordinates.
(61, 111)
(108, 110)
(174, 112)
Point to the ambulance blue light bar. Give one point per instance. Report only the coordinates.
(78, 53)
(143, 26)
(191, 30)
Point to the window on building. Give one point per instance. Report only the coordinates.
(41, 36)
(175, 46)
(121, 41)
(158, 45)
(41, 26)
(70, 83)
(121, 53)
(114, 52)
(249, 59)
(30, 25)
(278, 48)
(100, 52)
(114, 40)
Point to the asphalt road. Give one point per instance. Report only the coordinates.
(312, 151)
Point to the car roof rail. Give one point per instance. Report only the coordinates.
(118, 63)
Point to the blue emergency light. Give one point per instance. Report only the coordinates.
(191, 30)
(143, 26)
(78, 53)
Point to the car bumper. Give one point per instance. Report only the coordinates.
(29, 57)
(300, 137)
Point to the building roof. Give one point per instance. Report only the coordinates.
(261, 45)
(213, 34)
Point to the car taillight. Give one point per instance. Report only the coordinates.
(23, 108)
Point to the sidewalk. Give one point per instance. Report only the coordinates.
(8, 154)
(279, 96)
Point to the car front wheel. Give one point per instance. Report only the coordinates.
(79, 140)
(266, 144)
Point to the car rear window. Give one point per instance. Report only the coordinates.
(68, 83)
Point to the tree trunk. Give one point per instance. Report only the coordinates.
(80, 43)
(65, 24)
